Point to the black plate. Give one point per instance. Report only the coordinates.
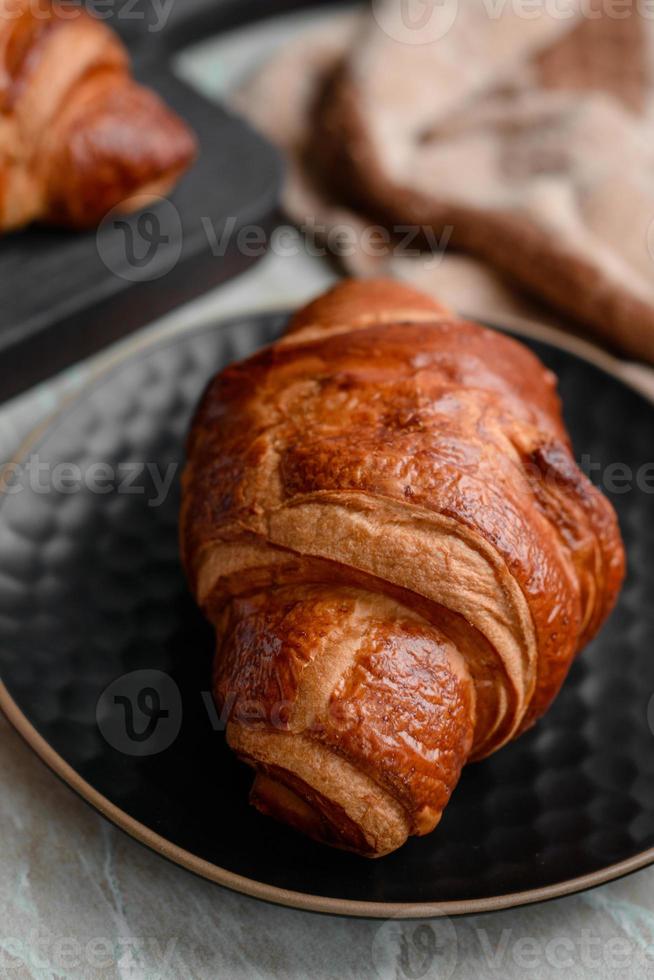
(91, 591)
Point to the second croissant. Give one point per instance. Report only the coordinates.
(78, 136)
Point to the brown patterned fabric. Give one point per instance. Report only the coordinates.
(523, 147)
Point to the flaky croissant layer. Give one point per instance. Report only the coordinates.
(78, 136)
(383, 519)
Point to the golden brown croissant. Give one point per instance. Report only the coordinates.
(78, 135)
(383, 520)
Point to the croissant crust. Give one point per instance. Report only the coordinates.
(384, 521)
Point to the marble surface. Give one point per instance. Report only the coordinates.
(78, 899)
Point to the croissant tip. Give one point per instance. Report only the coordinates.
(362, 302)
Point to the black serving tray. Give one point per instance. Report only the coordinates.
(63, 295)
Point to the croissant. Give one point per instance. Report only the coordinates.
(78, 135)
(383, 520)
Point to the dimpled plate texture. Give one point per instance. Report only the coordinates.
(104, 652)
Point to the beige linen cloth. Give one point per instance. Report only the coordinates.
(496, 152)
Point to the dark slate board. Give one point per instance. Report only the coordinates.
(62, 298)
